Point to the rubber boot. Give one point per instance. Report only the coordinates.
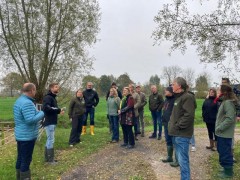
(18, 174)
(211, 142)
(175, 163)
(25, 175)
(45, 155)
(169, 156)
(50, 154)
(92, 130)
(227, 173)
(84, 130)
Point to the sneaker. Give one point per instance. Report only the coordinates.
(114, 141)
(71, 145)
(193, 149)
(159, 137)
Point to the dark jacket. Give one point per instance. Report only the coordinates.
(209, 110)
(50, 109)
(119, 94)
(91, 98)
(76, 107)
(182, 117)
(167, 108)
(155, 102)
(127, 110)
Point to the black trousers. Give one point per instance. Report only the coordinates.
(76, 131)
(211, 131)
(24, 154)
(128, 136)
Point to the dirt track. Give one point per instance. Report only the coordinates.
(142, 162)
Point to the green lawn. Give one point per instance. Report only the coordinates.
(6, 114)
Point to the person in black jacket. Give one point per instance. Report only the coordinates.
(91, 101)
(209, 114)
(76, 112)
(51, 111)
(114, 85)
(167, 111)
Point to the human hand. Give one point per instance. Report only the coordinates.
(63, 110)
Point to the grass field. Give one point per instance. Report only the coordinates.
(6, 114)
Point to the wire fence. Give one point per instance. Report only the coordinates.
(7, 121)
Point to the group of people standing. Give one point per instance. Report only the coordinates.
(28, 121)
(175, 113)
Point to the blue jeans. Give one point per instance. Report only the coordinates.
(91, 112)
(157, 119)
(224, 147)
(50, 131)
(24, 157)
(167, 137)
(192, 141)
(115, 127)
(181, 145)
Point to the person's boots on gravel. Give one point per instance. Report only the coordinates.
(169, 155)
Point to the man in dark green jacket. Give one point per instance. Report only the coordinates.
(155, 106)
(181, 124)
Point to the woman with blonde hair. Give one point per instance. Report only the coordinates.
(126, 115)
(113, 103)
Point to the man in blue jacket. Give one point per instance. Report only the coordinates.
(27, 120)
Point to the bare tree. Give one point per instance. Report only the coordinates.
(215, 34)
(43, 39)
(171, 72)
(189, 75)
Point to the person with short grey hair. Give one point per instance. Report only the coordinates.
(91, 101)
(181, 124)
(27, 119)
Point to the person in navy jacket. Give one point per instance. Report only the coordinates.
(27, 122)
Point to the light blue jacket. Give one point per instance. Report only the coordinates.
(26, 118)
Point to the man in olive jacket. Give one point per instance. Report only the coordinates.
(181, 124)
(155, 106)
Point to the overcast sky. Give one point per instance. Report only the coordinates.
(125, 43)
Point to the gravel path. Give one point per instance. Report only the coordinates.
(142, 162)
